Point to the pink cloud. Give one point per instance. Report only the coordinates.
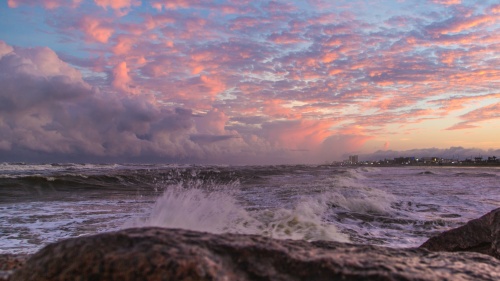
(153, 21)
(386, 145)
(121, 78)
(213, 122)
(460, 24)
(49, 4)
(298, 134)
(117, 4)
(460, 102)
(285, 38)
(96, 29)
(123, 45)
(174, 4)
(5, 49)
(274, 62)
(485, 113)
(276, 108)
(462, 126)
(447, 2)
(495, 9)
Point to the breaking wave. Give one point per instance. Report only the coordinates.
(216, 210)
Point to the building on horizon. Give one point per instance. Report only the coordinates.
(353, 159)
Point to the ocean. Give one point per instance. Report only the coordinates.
(389, 206)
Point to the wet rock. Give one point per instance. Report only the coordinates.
(480, 235)
(173, 254)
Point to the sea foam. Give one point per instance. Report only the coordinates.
(216, 210)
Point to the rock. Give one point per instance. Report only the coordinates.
(174, 254)
(9, 263)
(480, 235)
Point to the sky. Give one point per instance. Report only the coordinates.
(247, 82)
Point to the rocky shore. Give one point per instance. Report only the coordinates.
(9, 263)
(480, 235)
(470, 252)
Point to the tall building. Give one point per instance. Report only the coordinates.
(353, 159)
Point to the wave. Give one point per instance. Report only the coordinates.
(478, 175)
(427, 173)
(218, 211)
(109, 179)
(460, 174)
(311, 215)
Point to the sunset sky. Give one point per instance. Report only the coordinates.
(243, 82)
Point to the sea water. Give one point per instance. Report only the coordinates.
(390, 206)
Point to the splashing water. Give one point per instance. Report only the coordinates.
(217, 211)
(196, 209)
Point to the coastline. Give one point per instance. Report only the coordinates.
(377, 165)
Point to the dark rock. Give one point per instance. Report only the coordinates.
(9, 263)
(480, 235)
(173, 254)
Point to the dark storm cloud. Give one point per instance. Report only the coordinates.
(45, 106)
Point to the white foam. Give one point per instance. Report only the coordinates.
(195, 209)
(306, 220)
(217, 211)
(26, 227)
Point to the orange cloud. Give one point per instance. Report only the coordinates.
(329, 57)
(461, 126)
(484, 113)
(386, 145)
(488, 112)
(467, 23)
(298, 134)
(276, 109)
(460, 102)
(450, 57)
(495, 9)
(447, 2)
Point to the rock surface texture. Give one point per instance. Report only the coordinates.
(9, 263)
(173, 254)
(480, 235)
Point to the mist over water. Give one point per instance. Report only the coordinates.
(398, 207)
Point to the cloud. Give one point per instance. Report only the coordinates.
(121, 79)
(285, 38)
(48, 108)
(49, 4)
(494, 9)
(117, 4)
(261, 79)
(205, 139)
(459, 24)
(96, 29)
(5, 49)
(482, 114)
(447, 2)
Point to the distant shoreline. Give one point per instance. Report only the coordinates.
(419, 165)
